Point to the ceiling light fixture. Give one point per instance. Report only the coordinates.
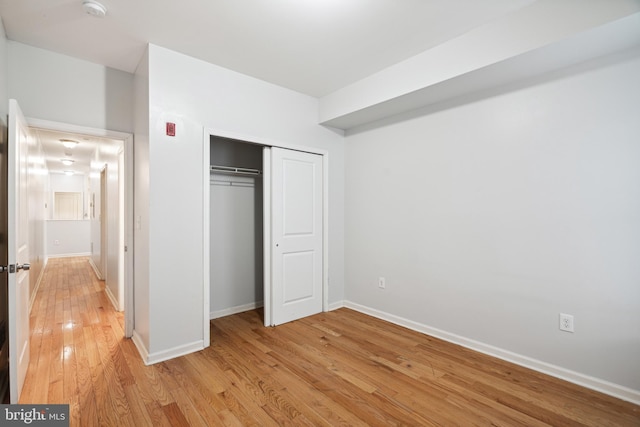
(67, 162)
(69, 143)
(69, 173)
(93, 8)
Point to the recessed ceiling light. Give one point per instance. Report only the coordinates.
(67, 162)
(69, 143)
(93, 8)
(69, 173)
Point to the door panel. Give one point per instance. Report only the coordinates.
(18, 249)
(298, 276)
(297, 252)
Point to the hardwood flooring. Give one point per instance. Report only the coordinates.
(336, 368)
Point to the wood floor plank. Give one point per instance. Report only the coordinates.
(340, 368)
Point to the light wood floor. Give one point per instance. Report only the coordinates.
(337, 368)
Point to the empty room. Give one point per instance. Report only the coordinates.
(321, 212)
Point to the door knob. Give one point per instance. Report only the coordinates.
(24, 266)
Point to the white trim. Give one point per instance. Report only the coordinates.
(112, 298)
(139, 343)
(266, 233)
(235, 310)
(95, 269)
(606, 387)
(172, 353)
(206, 244)
(37, 287)
(71, 128)
(336, 305)
(325, 232)
(79, 254)
(129, 309)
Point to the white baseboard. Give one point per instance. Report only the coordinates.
(161, 356)
(80, 254)
(336, 305)
(32, 299)
(172, 353)
(142, 349)
(234, 310)
(96, 269)
(112, 298)
(606, 387)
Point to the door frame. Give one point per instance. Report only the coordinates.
(127, 139)
(104, 223)
(264, 142)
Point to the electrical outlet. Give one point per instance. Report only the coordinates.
(56, 242)
(381, 283)
(566, 322)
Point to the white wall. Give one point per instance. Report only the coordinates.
(490, 217)
(60, 88)
(68, 238)
(196, 96)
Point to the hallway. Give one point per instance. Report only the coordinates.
(78, 354)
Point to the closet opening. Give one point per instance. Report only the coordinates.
(236, 226)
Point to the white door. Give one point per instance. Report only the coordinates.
(17, 242)
(296, 234)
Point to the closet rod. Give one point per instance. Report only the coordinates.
(234, 170)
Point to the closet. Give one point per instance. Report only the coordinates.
(236, 226)
(267, 230)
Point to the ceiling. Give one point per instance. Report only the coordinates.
(82, 154)
(311, 46)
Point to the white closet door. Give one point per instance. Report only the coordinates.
(296, 241)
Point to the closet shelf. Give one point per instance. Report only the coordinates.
(234, 170)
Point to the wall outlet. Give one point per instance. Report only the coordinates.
(566, 322)
(56, 242)
(381, 283)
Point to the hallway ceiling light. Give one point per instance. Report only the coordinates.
(69, 173)
(93, 8)
(67, 162)
(69, 143)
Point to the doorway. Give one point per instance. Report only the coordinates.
(106, 170)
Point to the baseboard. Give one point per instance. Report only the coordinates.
(606, 387)
(161, 356)
(112, 298)
(96, 269)
(234, 310)
(172, 353)
(32, 299)
(336, 305)
(142, 349)
(80, 254)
